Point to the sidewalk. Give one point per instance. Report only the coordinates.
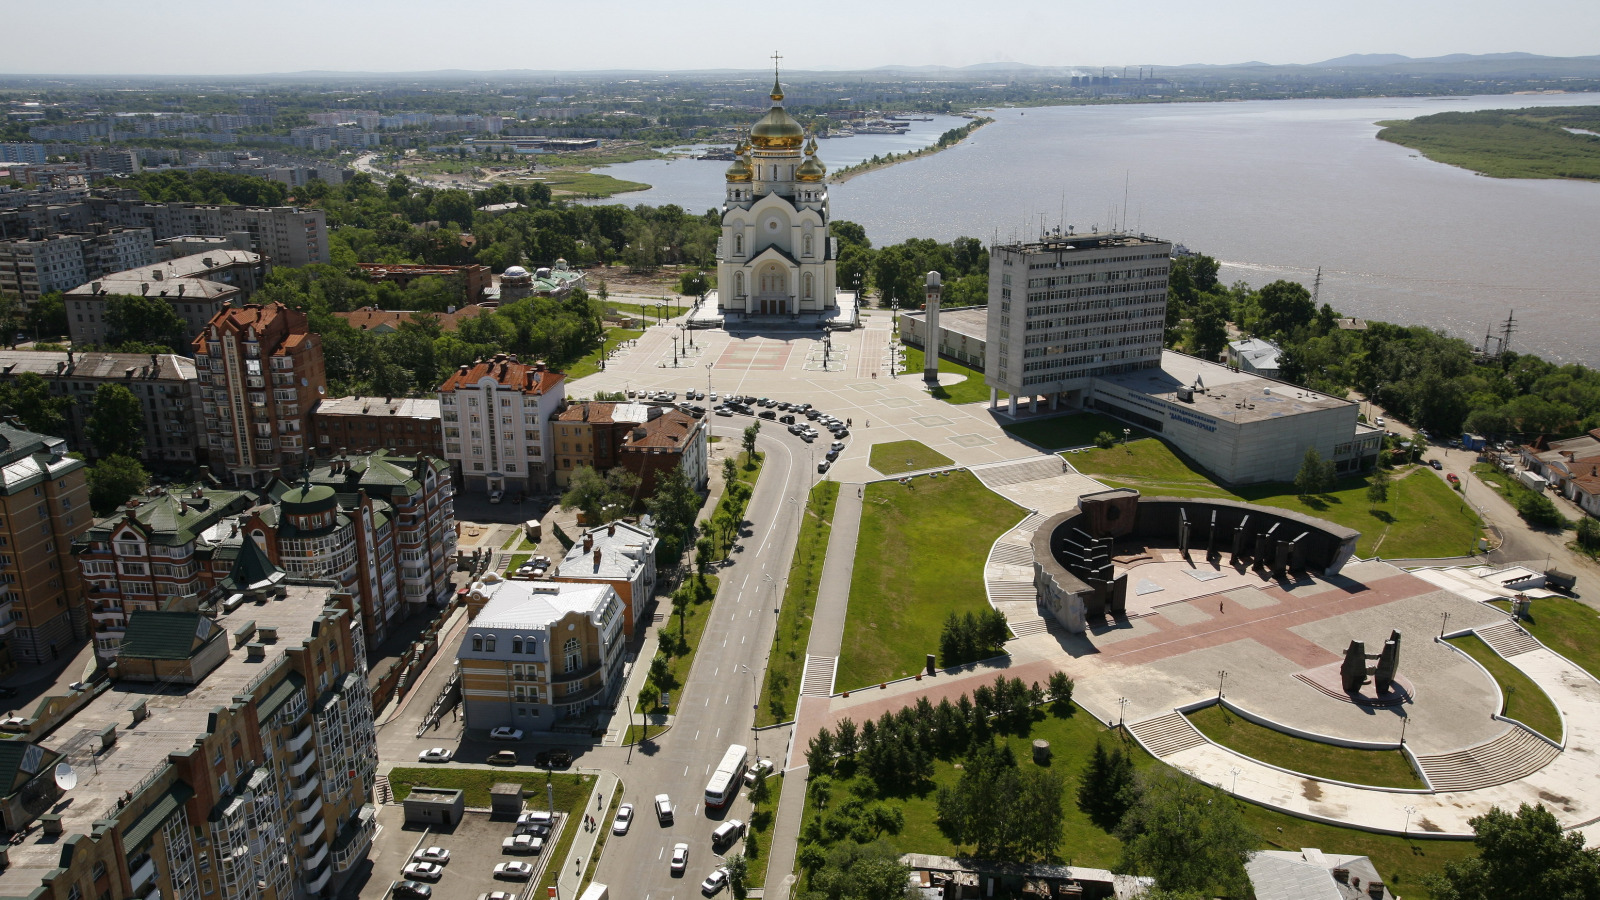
(447, 636)
(582, 849)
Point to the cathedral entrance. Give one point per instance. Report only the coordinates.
(772, 291)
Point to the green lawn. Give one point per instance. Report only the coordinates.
(695, 617)
(973, 390)
(651, 313)
(514, 541)
(1402, 861)
(1381, 768)
(516, 560)
(763, 817)
(786, 662)
(590, 363)
(1567, 627)
(749, 473)
(919, 557)
(1525, 701)
(906, 456)
(1423, 517)
(571, 790)
(1063, 432)
(589, 184)
(1506, 143)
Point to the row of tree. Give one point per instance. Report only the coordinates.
(971, 636)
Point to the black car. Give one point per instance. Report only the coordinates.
(413, 890)
(833, 455)
(697, 411)
(786, 420)
(553, 759)
(812, 414)
(767, 414)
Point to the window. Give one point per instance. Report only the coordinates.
(573, 654)
(489, 644)
(516, 647)
(477, 643)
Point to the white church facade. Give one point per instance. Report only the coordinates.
(775, 257)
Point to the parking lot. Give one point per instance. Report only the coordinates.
(474, 845)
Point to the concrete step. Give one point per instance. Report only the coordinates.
(1003, 474)
(1026, 627)
(816, 679)
(1515, 753)
(1009, 554)
(1002, 589)
(1508, 640)
(1166, 735)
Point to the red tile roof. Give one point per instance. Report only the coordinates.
(529, 378)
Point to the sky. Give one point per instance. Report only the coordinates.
(232, 38)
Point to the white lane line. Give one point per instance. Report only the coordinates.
(686, 771)
(697, 734)
(724, 703)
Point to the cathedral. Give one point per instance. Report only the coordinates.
(775, 257)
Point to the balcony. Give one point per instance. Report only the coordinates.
(313, 834)
(143, 873)
(311, 812)
(582, 696)
(317, 883)
(577, 675)
(303, 765)
(355, 838)
(314, 861)
(298, 742)
(307, 789)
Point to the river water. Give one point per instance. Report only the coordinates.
(1273, 189)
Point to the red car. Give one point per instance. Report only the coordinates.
(1454, 481)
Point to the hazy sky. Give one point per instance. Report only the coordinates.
(192, 37)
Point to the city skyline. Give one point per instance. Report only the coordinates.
(409, 37)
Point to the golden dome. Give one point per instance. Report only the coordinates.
(812, 170)
(739, 171)
(777, 131)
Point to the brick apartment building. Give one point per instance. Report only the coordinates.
(405, 426)
(646, 439)
(44, 505)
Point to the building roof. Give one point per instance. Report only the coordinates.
(163, 278)
(605, 412)
(164, 635)
(669, 432)
(1309, 874)
(251, 569)
(380, 407)
(175, 517)
(20, 761)
(28, 459)
(529, 378)
(972, 321)
(536, 604)
(1261, 353)
(51, 364)
(623, 546)
(271, 322)
(1225, 389)
(383, 321)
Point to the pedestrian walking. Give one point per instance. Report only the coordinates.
(1219, 607)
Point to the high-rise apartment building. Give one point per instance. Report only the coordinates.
(44, 505)
(1069, 307)
(164, 383)
(231, 755)
(261, 372)
(496, 415)
(290, 236)
(43, 262)
(196, 286)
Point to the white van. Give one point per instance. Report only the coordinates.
(727, 833)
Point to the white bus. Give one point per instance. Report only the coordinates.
(724, 783)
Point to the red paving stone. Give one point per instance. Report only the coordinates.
(1269, 626)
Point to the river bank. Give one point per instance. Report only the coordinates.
(947, 140)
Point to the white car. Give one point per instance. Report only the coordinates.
(680, 858)
(760, 765)
(506, 733)
(437, 754)
(425, 871)
(522, 843)
(497, 895)
(496, 496)
(716, 881)
(520, 871)
(536, 817)
(664, 809)
(432, 854)
(624, 818)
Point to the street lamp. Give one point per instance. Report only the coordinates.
(755, 704)
(708, 378)
(1126, 433)
(1222, 675)
(1235, 773)
(1410, 811)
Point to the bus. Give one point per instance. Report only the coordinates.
(724, 783)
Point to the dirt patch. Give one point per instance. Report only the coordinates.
(1425, 824)
(1311, 790)
(1556, 800)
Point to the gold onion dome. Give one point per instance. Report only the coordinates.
(777, 130)
(812, 170)
(740, 170)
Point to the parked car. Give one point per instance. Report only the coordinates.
(680, 858)
(522, 843)
(519, 871)
(786, 420)
(1438, 466)
(836, 445)
(760, 765)
(724, 411)
(553, 759)
(812, 414)
(435, 755)
(1451, 477)
(832, 455)
(496, 496)
(412, 890)
(536, 817)
(503, 758)
(767, 414)
(505, 733)
(808, 436)
(497, 895)
(432, 854)
(424, 870)
(824, 466)
(623, 819)
(663, 809)
(727, 833)
(716, 881)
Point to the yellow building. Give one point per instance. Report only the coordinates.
(44, 504)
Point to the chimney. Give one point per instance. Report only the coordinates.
(597, 558)
(611, 530)
(1375, 890)
(588, 542)
(1341, 875)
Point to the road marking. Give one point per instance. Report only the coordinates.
(662, 853)
(686, 771)
(724, 703)
(697, 734)
(719, 732)
(741, 638)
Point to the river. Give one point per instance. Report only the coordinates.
(1273, 189)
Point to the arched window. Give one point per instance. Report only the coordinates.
(774, 173)
(807, 244)
(738, 284)
(738, 245)
(808, 284)
(573, 654)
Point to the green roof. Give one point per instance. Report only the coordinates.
(176, 517)
(164, 635)
(252, 567)
(20, 761)
(152, 818)
(305, 498)
(280, 694)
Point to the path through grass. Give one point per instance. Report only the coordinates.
(1567, 627)
(919, 557)
(1380, 768)
(906, 456)
(786, 663)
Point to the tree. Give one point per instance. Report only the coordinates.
(1589, 533)
(1315, 476)
(115, 426)
(738, 870)
(1378, 486)
(1522, 855)
(674, 505)
(1210, 326)
(47, 316)
(28, 397)
(819, 754)
(1060, 686)
(1283, 306)
(859, 871)
(134, 319)
(1186, 834)
(730, 470)
(600, 497)
(750, 432)
(704, 549)
(1106, 787)
(1000, 809)
(1537, 510)
(113, 480)
(1105, 440)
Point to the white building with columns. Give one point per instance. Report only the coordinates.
(776, 256)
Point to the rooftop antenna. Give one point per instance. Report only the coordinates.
(1125, 176)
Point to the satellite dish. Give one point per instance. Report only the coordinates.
(66, 779)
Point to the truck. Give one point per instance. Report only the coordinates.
(1533, 481)
(1473, 442)
(1558, 579)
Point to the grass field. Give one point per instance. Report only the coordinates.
(652, 313)
(693, 624)
(1381, 768)
(1402, 861)
(515, 561)
(919, 557)
(1525, 701)
(764, 814)
(749, 473)
(589, 184)
(906, 456)
(1062, 432)
(1423, 517)
(1506, 143)
(590, 363)
(973, 390)
(786, 663)
(1567, 627)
